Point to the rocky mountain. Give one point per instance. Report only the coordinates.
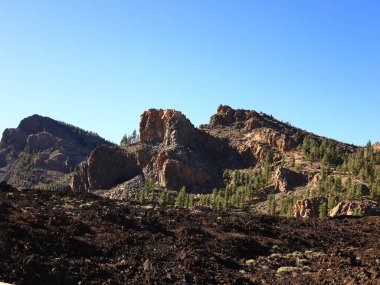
(246, 159)
(174, 153)
(43, 152)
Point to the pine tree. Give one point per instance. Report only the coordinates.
(271, 205)
(191, 201)
(323, 210)
(181, 198)
(225, 200)
(214, 197)
(163, 200)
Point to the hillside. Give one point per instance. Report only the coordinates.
(42, 152)
(241, 160)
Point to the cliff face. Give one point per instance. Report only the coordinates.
(41, 151)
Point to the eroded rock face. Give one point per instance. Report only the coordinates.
(257, 127)
(356, 207)
(287, 179)
(177, 168)
(308, 208)
(105, 168)
(176, 154)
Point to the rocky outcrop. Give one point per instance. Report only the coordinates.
(42, 151)
(166, 126)
(179, 167)
(376, 146)
(176, 154)
(308, 208)
(257, 127)
(105, 168)
(286, 179)
(254, 134)
(356, 208)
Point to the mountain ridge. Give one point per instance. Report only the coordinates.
(40, 145)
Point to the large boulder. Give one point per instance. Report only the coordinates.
(179, 167)
(356, 207)
(308, 208)
(286, 179)
(105, 168)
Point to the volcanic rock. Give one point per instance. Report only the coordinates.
(124, 190)
(287, 179)
(356, 207)
(308, 208)
(105, 168)
(171, 152)
(177, 154)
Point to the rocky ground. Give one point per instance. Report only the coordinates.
(60, 238)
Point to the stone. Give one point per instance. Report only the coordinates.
(287, 179)
(356, 207)
(308, 208)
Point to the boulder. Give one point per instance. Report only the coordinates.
(356, 207)
(105, 168)
(286, 179)
(175, 173)
(308, 208)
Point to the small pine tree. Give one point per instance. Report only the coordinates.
(181, 198)
(191, 201)
(358, 192)
(142, 197)
(163, 200)
(323, 210)
(214, 196)
(225, 200)
(271, 205)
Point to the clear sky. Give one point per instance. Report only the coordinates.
(100, 64)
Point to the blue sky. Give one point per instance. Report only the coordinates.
(100, 64)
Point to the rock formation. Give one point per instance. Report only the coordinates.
(287, 179)
(171, 152)
(106, 167)
(356, 207)
(308, 208)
